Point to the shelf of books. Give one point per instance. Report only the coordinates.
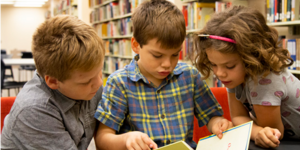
(68, 7)
(112, 21)
(285, 13)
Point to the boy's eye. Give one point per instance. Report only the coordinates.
(231, 67)
(175, 55)
(157, 56)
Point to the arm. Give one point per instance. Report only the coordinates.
(106, 138)
(39, 128)
(263, 137)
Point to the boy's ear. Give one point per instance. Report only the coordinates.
(51, 82)
(135, 45)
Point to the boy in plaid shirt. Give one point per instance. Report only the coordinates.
(152, 101)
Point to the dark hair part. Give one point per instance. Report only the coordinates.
(159, 19)
(256, 42)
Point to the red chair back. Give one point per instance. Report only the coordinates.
(6, 104)
(221, 95)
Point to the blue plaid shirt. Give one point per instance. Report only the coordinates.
(166, 113)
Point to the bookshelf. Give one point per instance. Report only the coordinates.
(68, 7)
(112, 21)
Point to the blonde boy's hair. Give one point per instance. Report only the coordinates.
(159, 19)
(63, 44)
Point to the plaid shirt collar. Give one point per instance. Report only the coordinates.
(136, 75)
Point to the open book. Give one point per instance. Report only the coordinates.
(235, 138)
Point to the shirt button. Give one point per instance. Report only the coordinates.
(162, 116)
(158, 91)
(168, 141)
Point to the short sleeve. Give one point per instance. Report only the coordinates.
(269, 91)
(40, 128)
(112, 108)
(206, 105)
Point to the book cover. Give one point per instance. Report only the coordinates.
(236, 138)
(180, 145)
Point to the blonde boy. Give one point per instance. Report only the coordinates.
(152, 101)
(55, 109)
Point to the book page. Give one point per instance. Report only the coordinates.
(236, 138)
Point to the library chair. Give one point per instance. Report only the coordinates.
(26, 68)
(7, 67)
(5, 84)
(221, 95)
(6, 104)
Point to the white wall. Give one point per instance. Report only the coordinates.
(18, 26)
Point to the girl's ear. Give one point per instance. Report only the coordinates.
(51, 82)
(135, 45)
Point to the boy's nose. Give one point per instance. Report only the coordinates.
(166, 63)
(98, 82)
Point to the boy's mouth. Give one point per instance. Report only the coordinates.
(164, 73)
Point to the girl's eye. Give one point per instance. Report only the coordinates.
(156, 56)
(231, 67)
(212, 64)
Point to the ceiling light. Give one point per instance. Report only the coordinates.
(6, 2)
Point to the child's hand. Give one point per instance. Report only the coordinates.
(268, 137)
(221, 126)
(139, 141)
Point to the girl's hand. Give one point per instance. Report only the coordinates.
(268, 138)
(139, 141)
(222, 125)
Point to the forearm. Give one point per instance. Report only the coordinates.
(243, 119)
(110, 141)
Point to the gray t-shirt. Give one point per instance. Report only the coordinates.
(274, 90)
(42, 118)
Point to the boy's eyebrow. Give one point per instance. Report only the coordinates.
(161, 53)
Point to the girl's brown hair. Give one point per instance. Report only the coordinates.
(256, 42)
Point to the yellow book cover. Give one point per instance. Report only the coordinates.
(180, 145)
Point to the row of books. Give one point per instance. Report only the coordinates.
(187, 48)
(111, 10)
(293, 45)
(63, 7)
(121, 47)
(221, 6)
(114, 28)
(111, 64)
(196, 14)
(93, 3)
(283, 10)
